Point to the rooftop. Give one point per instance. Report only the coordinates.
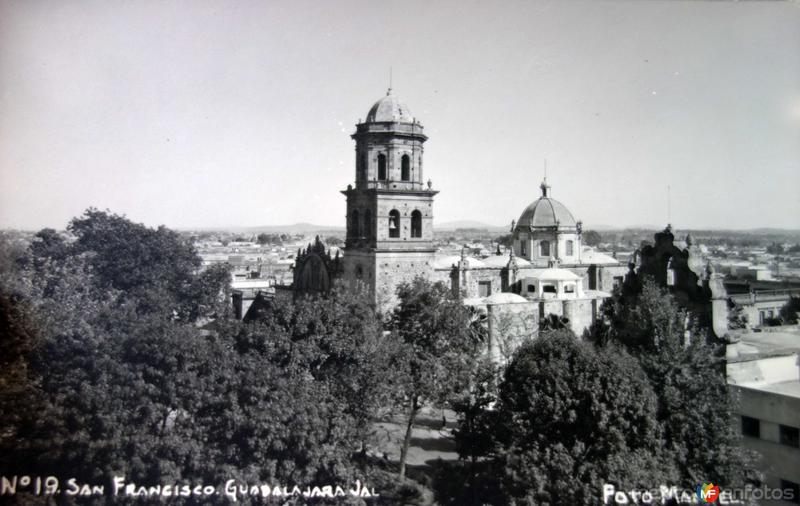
(591, 256)
(554, 274)
(496, 298)
(766, 361)
(756, 345)
(546, 212)
(389, 109)
(790, 388)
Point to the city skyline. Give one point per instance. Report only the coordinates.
(215, 114)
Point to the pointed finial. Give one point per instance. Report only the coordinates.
(544, 186)
(389, 91)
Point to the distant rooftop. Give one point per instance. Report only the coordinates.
(756, 345)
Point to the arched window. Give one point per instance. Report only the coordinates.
(405, 171)
(570, 247)
(382, 167)
(368, 224)
(354, 224)
(362, 167)
(544, 249)
(416, 224)
(394, 223)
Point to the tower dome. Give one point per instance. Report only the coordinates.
(389, 109)
(546, 212)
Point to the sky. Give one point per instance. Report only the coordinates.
(239, 113)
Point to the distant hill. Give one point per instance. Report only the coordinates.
(297, 228)
(453, 225)
(311, 228)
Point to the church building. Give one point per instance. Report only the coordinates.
(390, 235)
(390, 208)
(548, 277)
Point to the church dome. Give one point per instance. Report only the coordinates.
(546, 212)
(389, 108)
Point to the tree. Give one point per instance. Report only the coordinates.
(591, 238)
(553, 322)
(344, 345)
(97, 388)
(506, 240)
(683, 365)
(48, 244)
(775, 249)
(18, 336)
(790, 310)
(737, 317)
(472, 480)
(442, 343)
(572, 416)
(155, 268)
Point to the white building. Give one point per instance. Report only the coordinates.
(763, 368)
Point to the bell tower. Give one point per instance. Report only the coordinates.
(390, 209)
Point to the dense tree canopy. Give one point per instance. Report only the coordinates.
(98, 381)
(645, 403)
(683, 366)
(156, 268)
(107, 368)
(568, 417)
(573, 417)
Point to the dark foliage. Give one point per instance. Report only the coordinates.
(591, 238)
(106, 371)
(684, 366)
(568, 418)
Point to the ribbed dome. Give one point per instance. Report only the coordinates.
(389, 108)
(546, 212)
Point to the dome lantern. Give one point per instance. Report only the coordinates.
(389, 109)
(546, 212)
